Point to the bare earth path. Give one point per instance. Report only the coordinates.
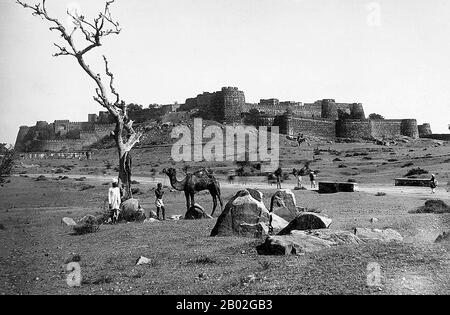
(421, 193)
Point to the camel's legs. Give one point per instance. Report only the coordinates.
(214, 197)
(192, 199)
(188, 205)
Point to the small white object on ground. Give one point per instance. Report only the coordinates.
(143, 261)
(69, 221)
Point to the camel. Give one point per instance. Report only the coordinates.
(195, 182)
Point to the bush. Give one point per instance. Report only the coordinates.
(407, 164)
(41, 178)
(86, 187)
(88, 225)
(416, 171)
(433, 206)
(379, 194)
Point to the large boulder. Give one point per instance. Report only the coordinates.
(131, 211)
(196, 212)
(284, 205)
(305, 241)
(387, 235)
(307, 221)
(244, 215)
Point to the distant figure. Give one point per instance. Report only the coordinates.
(300, 139)
(159, 192)
(114, 201)
(312, 178)
(279, 173)
(298, 174)
(433, 183)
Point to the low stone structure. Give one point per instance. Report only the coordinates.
(418, 182)
(335, 187)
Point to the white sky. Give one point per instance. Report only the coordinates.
(397, 65)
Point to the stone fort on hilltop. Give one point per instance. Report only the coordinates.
(324, 118)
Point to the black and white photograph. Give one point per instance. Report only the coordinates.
(224, 154)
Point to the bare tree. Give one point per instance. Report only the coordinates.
(93, 32)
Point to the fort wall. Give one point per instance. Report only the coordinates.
(313, 127)
(386, 128)
(424, 130)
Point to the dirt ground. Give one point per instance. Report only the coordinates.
(36, 246)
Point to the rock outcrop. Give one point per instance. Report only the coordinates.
(196, 212)
(307, 221)
(299, 242)
(244, 215)
(387, 235)
(283, 204)
(131, 211)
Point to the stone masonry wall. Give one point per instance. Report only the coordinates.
(314, 127)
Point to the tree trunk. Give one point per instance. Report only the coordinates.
(125, 174)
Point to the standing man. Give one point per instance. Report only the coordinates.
(159, 192)
(312, 178)
(433, 183)
(279, 174)
(114, 201)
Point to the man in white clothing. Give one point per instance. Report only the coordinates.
(114, 201)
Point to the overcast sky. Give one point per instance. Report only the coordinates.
(392, 56)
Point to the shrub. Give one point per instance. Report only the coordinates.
(416, 171)
(87, 225)
(379, 194)
(41, 178)
(433, 206)
(86, 187)
(407, 164)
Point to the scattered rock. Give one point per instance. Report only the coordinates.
(387, 235)
(244, 215)
(196, 212)
(374, 220)
(143, 261)
(73, 258)
(307, 221)
(150, 220)
(68, 221)
(175, 217)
